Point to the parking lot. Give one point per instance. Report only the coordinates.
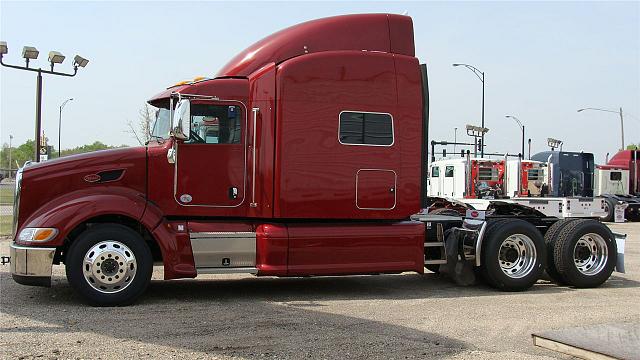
(390, 316)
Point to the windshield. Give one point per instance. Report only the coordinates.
(162, 125)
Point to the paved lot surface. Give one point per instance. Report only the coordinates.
(389, 317)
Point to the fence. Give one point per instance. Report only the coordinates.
(6, 206)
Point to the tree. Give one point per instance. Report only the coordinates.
(142, 131)
(633, 147)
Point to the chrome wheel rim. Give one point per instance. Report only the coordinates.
(517, 256)
(590, 254)
(109, 266)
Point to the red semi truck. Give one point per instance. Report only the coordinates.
(305, 155)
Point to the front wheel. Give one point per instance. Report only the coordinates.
(109, 265)
(513, 255)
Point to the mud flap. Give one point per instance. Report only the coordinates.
(457, 267)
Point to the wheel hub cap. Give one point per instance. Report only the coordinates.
(590, 254)
(517, 256)
(109, 266)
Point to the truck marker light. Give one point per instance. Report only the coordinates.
(37, 234)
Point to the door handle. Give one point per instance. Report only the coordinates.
(233, 192)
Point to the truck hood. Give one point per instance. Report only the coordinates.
(98, 171)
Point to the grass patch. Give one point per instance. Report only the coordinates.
(6, 224)
(6, 195)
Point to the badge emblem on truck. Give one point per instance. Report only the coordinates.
(186, 198)
(92, 178)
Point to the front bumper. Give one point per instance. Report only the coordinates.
(31, 265)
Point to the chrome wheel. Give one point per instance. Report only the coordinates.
(517, 256)
(590, 254)
(109, 266)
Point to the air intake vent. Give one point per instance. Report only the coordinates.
(104, 176)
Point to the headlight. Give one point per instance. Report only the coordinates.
(37, 234)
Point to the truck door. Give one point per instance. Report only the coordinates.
(448, 183)
(211, 164)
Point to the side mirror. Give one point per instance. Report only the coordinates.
(182, 120)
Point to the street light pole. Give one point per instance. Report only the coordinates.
(60, 124)
(455, 140)
(522, 128)
(31, 53)
(10, 139)
(480, 75)
(621, 121)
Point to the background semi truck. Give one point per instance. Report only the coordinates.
(481, 182)
(305, 155)
(574, 174)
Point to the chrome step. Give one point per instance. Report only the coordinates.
(435, 262)
(434, 244)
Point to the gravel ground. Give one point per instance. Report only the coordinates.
(390, 317)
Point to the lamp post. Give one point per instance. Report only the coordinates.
(60, 124)
(31, 53)
(476, 132)
(480, 76)
(455, 138)
(522, 128)
(10, 139)
(615, 112)
(554, 143)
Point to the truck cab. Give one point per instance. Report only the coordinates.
(571, 173)
(301, 156)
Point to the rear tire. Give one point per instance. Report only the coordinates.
(585, 253)
(109, 265)
(550, 240)
(513, 255)
(610, 209)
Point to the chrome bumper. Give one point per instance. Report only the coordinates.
(31, 265)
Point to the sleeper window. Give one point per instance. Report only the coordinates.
(360, 128)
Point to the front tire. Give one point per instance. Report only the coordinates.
(513, 255)
(109, 265)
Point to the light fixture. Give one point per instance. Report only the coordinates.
(56, 57)
(3, 48)
(554, 143)
(476, 130)
(80, 61)
(29, 52)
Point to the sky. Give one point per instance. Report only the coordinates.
(542, 62)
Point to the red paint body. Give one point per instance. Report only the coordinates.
(321, 207)
(627, 160)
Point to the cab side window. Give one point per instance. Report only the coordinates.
(448, 171)
(215, 124)
(435, 171)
